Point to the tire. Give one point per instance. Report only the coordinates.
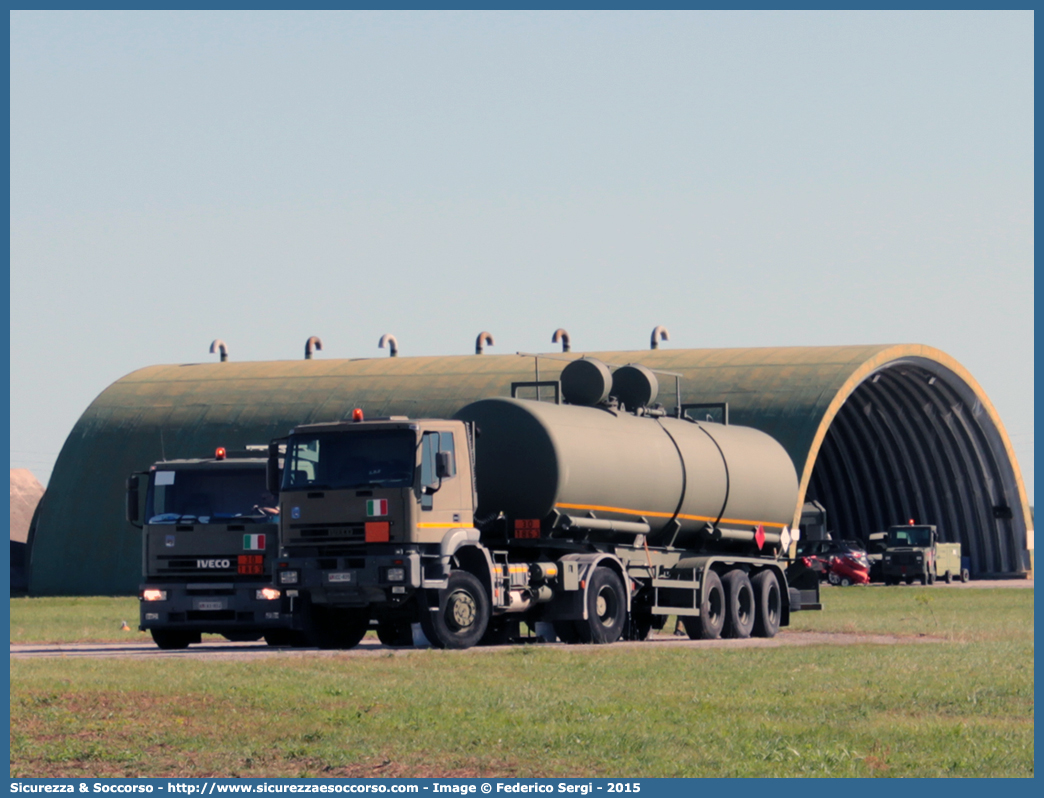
(739, 604)
(931, 578)
(845, 582)
(338, 628)
(768, 604)
(174, 640)
(924, 579)
(709, 623)
(606, 608)
(948, 578)
(462, 615)
(965, 576)
(833, 578)
(397, 635)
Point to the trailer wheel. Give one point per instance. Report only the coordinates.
(711, 620)
(395, 634)
(769, 604)
(606, 608)
(965, 576)
(462, 615)
(739, 604)
(948, 578)
(173, 639)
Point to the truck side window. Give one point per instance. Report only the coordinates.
(431, 443)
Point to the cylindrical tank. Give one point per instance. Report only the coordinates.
(535, 458)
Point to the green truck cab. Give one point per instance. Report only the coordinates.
(210, 534)
(914, 551)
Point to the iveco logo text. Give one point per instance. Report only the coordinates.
(213, 563)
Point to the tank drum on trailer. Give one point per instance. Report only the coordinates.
(536, 458)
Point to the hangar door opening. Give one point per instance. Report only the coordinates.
(913, 441)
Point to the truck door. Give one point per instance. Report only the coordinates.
(446, 507)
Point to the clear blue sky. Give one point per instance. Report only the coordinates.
(745, 179)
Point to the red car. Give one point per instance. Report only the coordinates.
(841, 569)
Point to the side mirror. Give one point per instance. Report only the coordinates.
(444, 465)
(272, 469)
(133, 505)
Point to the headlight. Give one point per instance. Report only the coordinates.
(288, 577)
(267, 594)
(152, 594)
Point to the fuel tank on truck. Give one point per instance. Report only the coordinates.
(688, 481)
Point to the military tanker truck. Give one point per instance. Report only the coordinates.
(600, 516)
(209, 538)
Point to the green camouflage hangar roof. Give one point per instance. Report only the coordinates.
(878, 435)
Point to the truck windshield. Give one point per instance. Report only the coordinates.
(917, 536)
(332, 460)
(209, 496)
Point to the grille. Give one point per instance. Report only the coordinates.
(905, 558)
(322, 532)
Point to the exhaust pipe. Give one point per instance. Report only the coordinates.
(483, 338)
(219, 346)
(562, 335)
(392, 343)
(661, 333)
(316, 342)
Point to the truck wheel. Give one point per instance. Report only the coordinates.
(395, 634)
(606, 608)
(173, 639)
(769, 604)
(924, 579)
(965, 576)
(739, 604)
(339, 628)
(462, 615)
(711, 620)
(948, 578)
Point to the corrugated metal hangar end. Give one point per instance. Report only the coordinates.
(878, 434)
(912, 436)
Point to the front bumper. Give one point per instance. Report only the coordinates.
(380, 576)
(212, 608)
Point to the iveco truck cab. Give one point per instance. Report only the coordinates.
(209, 538)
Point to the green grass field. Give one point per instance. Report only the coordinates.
(960, 706)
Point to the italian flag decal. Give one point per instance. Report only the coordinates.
(253, 542)
(375, 507)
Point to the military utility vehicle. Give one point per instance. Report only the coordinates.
(210, 536)
(598, 517)
(914, 551)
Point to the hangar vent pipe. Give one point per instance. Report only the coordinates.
(392, 343)
(483, 338)
(316, 342)
(659, 333)
(563, 336)
(219, 346)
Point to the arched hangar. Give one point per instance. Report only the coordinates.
(878, 435)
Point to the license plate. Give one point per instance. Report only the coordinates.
(343, 577)
(211, 605)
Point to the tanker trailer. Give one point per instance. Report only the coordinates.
(600, 516)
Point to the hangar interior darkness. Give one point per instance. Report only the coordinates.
(913, 441)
